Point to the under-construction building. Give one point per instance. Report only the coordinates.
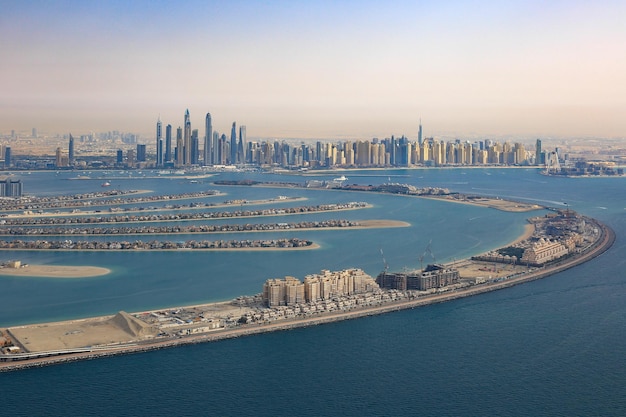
(433, 276)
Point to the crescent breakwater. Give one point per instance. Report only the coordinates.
(398, 189)
(604, 237)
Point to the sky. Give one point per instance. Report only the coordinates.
(316, 69)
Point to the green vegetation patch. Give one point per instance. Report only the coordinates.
(511, 251)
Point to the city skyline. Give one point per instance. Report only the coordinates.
(317, 70)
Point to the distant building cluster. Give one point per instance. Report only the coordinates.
(236, 150)
(183, 150)
(185, 147)
(10, 187)
(585, 168)
(317, 287)
(433, 276)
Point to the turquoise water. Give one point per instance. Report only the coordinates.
(550, 347)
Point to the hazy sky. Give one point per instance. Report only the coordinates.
(316, 69)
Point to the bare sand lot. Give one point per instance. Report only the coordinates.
(55, 271)
(121, 328)
(496, 203)
(379, 224)
(487, 270)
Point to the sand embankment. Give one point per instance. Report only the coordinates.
(55, 271)
(489, 202)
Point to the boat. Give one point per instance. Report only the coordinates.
(106, 184)
(342, 178)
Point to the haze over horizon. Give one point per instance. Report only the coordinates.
(292, 69)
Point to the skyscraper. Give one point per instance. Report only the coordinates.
(195, 148)
(241, 147)
(208, 139)
(141, 152)
(538, 153)
(71, 150)
(7, 157)
(217, 149)
(233, 144)
(59, 158)
(179, 147)
(419, 133)
(159, 143)
(168, 143)
(187, 140)
(224, 149)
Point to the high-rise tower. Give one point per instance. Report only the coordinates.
(159, 143)
(419, 133)
(241, 147)
(168, 143)
(208, 138)
(538, 153)
(179, 147)
(187, 140)
(7, 157)
(217, 149)
(195, 148)
(70, 150)
(233, 144)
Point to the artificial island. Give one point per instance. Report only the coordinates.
(551, 243)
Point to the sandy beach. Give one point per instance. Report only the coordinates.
(55, 271)
(529, 229)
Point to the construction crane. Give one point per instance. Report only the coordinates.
(429, 251)
(384, 261)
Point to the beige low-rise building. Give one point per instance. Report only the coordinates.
(542, 251)
(316, 287)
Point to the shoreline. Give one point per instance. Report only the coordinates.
(604, 242)
(529, 229)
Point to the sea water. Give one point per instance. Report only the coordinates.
(549, 347)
